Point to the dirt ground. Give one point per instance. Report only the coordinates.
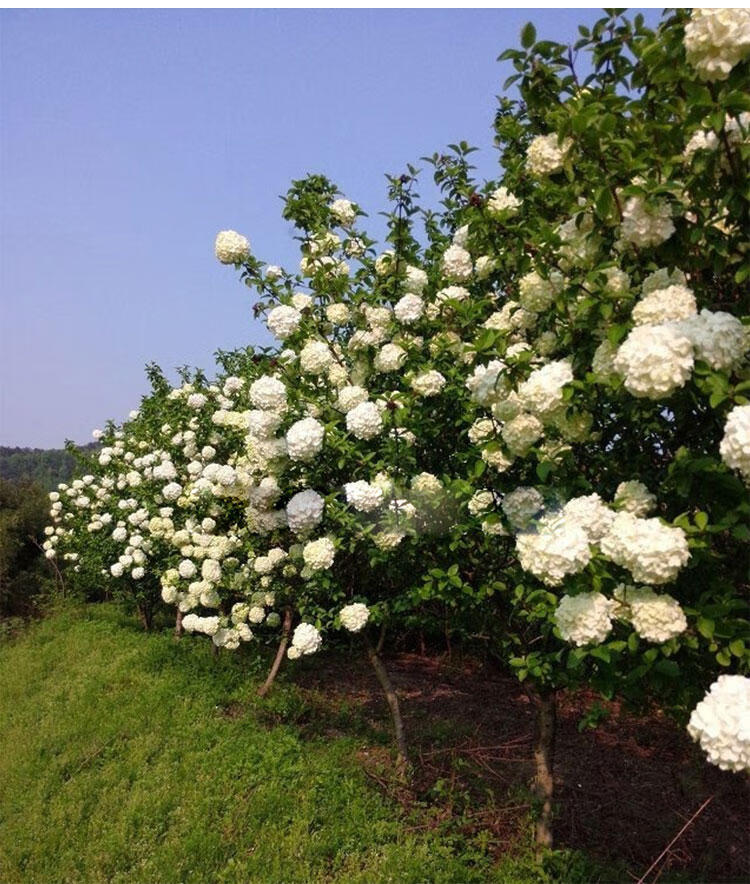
(623, 790)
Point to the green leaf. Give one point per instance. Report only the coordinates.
(668, 668)
(706, 627)
(701, 520)
(737, 647)
(528, 35)
(543, 470)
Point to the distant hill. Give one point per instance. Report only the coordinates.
(46, 466)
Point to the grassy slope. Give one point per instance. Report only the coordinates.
(119, 764)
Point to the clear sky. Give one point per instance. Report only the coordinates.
(129, 138)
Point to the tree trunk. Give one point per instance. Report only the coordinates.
(178, 630)
(285, 633)
(145, 615)
(544, 761)
(214, 649)
(390, 695)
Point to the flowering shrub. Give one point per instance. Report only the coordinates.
(528, 401)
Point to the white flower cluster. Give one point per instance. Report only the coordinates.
(535, 293)
(557, 548)
(457, 265)
(319, 554)
(305, 640)
(646, 224)
(354, 617)
(283, 321)
(364, 420)
(634, 497)
(652, 551)
(585, 618)
(231, 247)
(547, 155)
(716, 40)
(655, 617)
(654, 360)
(304, 439)
(721, 723)
(304, 511)
(364, 497)
(502, 203)
(718, 338)
(735, 444)
(661, 305)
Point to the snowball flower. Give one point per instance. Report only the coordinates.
(634, 497)
(535, 293)
(304, 511)
(351, 396)
(268, 393)
(306, 640)
(652, 551)
(319, 554)
(409, 309)
(721, 723)
(542, 392)
(390, 358)
(546, 155)
(719, 339)
(655, 617)
(716, 40)
(558, 548)
(735, 444)
(486, 384)
(654, 360)
(520, 433)
(187, 569)
(646, 224)
(304, 439)
(672, 303)
(171, 491)
(502, 203)
(520, 506)
(364, 497)
(481, 502)
(344, 212)
(262, 424)
(415, 280)
(283, 321)
(457, 264)
(231, 247)
(338, 314)
(354, 617)
(211, 570)
(364, 420)
(591, 513)
(428, 384)
(315, 357)
(584, 619)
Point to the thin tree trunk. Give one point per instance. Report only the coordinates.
(214, 649)
(381, 639)
(285, 633)
(390, 695)
(178, 630)
(144, 614)
(544, 762)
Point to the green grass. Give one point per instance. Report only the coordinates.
(120, 764)
(124, 759)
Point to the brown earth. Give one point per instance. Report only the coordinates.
(623, 789)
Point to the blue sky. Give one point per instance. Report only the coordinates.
(129, 138)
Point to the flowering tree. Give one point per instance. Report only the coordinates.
(526, 418)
